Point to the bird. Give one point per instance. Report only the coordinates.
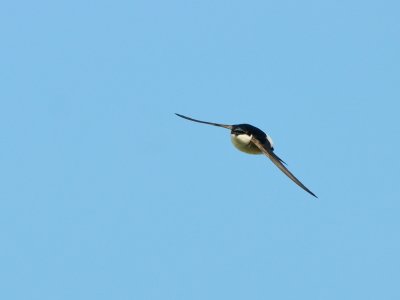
(252, 140)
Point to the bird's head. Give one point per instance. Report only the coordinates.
(240, 130)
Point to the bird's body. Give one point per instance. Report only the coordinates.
(252, 140)
(243, 143)
(242, 134)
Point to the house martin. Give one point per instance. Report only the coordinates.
(252, 140)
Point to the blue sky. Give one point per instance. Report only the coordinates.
(106, 194)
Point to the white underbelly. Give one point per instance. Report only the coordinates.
(243, 143)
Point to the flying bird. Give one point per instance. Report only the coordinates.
(252, 140)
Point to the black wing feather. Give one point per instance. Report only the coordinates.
(278, 162)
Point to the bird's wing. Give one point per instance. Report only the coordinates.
(209, 123)
(277, 161)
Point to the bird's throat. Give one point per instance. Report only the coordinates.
(243, 143)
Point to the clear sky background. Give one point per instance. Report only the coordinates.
(106, 194)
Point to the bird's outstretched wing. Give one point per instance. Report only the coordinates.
(277, 161)
(209, 123)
